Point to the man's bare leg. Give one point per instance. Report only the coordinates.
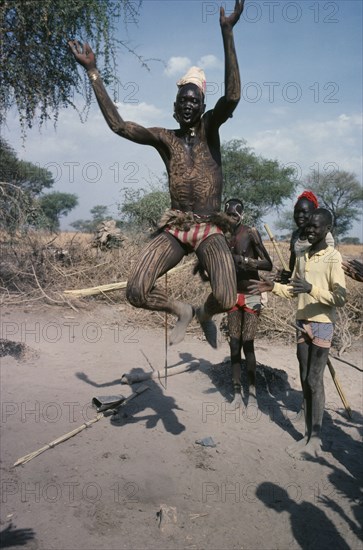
(215, 257)
(235, 345)
(160, 255)
(250, 321)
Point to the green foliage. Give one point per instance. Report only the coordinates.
(25, 175)
(99, 214)
(341, 193)
(144, 208)
(55, 205)
(286, 222)
(20, 183)
(262, 184)
(83, 226)
(39, 74)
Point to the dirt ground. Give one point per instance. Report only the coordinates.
(139, 480)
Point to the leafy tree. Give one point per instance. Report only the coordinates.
(350, 240)
(341, 193)
(99, 214)
(39, 76)
(20, 184)
(144, 208)
(84, 226)
(25, 175)
(286, 222)
(262, 184)
(55, 205)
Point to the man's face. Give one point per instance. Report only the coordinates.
(316, 229)
(302, 212)
(189, 105)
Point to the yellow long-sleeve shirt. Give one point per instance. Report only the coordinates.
(325, 273)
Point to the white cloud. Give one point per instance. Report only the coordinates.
(209, 62)
(280, 111)
(177, 66)
(313, 144)
(142, 113)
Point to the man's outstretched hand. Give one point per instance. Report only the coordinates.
(231, 20)
(257, 287)
(84, 55)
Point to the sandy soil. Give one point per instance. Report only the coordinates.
(139, 480)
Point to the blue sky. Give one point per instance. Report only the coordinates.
(301, 69)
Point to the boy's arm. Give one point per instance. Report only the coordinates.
(337, 294)
(264, 262)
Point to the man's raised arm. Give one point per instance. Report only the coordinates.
(232, 82)
(129, 130)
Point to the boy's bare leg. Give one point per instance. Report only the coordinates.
(303, 351)
(315, 381)
(314, 404)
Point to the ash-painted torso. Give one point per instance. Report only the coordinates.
(193, 162)
(194, 169)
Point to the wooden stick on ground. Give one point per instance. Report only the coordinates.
(91, 291)
(76, 431)
(339, 388)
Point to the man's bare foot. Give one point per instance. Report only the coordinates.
(297, 446)
(311, 449)
(185, 316)
(209, 327)
(237, 398)
(252, 398)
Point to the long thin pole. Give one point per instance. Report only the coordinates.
(166, 336)
(278, 251)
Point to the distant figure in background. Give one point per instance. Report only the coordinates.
(305, 205)
(250, 256)
(354, 269)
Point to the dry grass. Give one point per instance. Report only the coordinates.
(33, 269)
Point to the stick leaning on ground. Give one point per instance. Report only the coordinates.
(64, 437)
(330, 366)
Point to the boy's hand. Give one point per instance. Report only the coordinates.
(300, 286)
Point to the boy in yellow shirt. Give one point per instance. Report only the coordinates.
(319, 283)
